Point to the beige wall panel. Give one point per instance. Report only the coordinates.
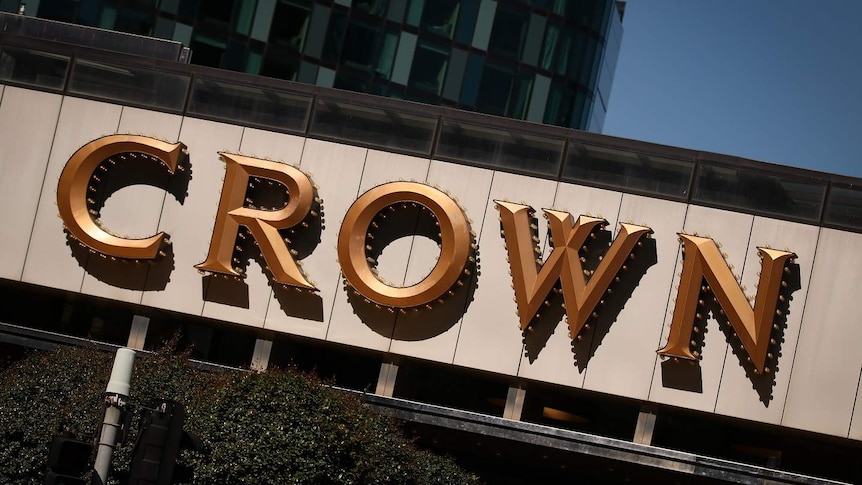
(135, 210)
(490, 336)
(190, 224)
(623, 362)
(272, 146)
(345, 325)
(49, 259)
(27, 122)
(682, 384)
(825, 374)
(337, 170)
(470, 186)
(737, 395)
(549, 352)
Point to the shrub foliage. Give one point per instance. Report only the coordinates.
(274, 427)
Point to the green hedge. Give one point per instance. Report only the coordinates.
(274, 427)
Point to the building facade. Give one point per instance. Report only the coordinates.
(543, 61)
(541, 302)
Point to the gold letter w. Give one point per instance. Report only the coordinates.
(533, 279)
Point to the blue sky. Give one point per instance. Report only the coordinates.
(771, 80)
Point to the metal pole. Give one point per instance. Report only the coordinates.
(116, 396)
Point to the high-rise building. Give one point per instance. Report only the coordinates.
(546, 61)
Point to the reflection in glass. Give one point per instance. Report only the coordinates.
(244, 104)
(628, 170)
(31, 67)
(147, 87)
(493, 148)
(743, 189)
(373, 126)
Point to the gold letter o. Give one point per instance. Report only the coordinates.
(454, 247)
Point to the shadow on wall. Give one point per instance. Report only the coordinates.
(687, 376)
(148, 275)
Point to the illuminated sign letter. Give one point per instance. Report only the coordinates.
(533, 279)
(77, 182)
(455, 244)
(703, 260)
(262, 224)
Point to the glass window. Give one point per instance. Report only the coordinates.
(557, 49)
(414, 12)
(757, 192)
(455, 74)
(404, 58)
(470, 84)
(441, 17)
(281, 65)
(467, 13)
(386, 57)
(844, 207)
(245, 16)
(317, 31)
(373, 126)
(429, 67)
(503, 91)
(206, 50)
(508, 33)
(378, 8)
(134, 21)
(290, 24)
(494, 148)
(334, 36)
(216, 12)
(245, 104)
(146, 87)
(360, 46)
(628, 170)
(34, 68)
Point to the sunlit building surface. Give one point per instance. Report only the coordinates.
(545, 304)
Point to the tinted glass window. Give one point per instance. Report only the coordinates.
(33, 67)
(744, 189)
(495, 148)
(628, 170)
(239, 103)
(373, 126)
(129, 84)
(844, 207)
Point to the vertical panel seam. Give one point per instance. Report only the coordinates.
(474, 277)
(42, 188)
(162, 211)
(729, 346)
(407, 266)
(338, 283)
(801, 323)
(667, 305)
(855, 400)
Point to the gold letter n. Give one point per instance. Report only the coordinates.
(533, 279)
(703, 260)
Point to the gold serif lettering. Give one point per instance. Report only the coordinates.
(703, 260)
(455, 244)
(533, 279)
(262, 224)
(78, 180)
